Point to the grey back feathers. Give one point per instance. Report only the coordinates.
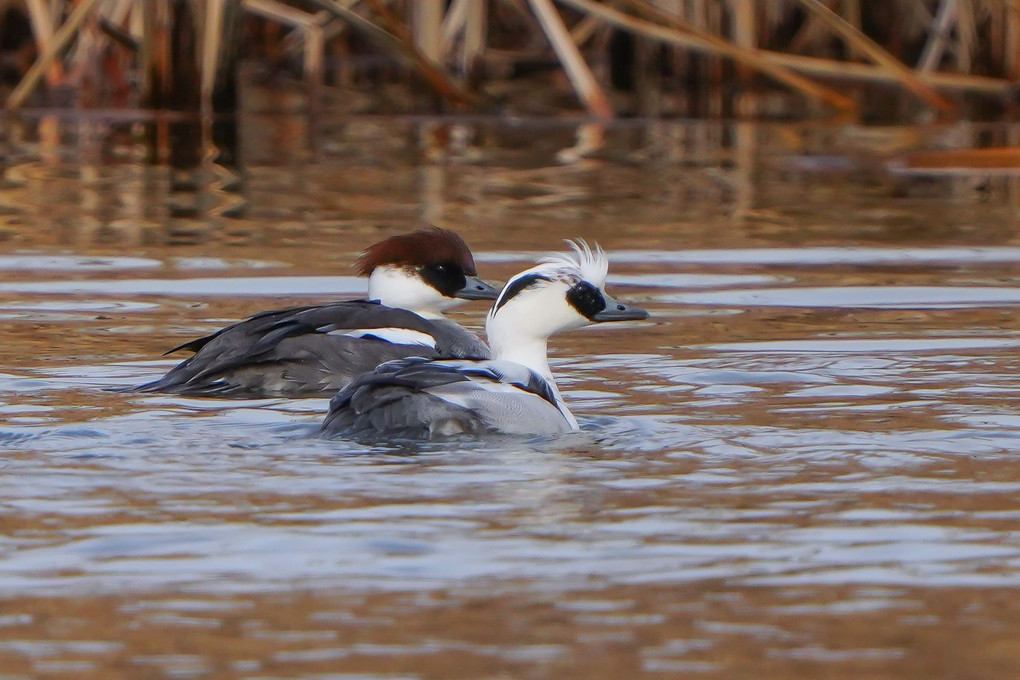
(309, 351)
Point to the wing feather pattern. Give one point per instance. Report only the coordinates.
(297, 352)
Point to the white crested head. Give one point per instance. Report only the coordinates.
(562, 292)
(590, 265)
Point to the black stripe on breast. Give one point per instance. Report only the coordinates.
(541, 387)
(536, 384)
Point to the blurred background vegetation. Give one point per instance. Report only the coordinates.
(856, 60)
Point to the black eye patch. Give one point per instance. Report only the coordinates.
(446, 277)
(516, 286)
(586, 299)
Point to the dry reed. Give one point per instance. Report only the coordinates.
(932, 49)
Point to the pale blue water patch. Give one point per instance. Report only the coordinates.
(941, 378)
(929, 578)
(255, 409)
(681, 437)
(224, 556)
(888, 297)
(827, 655)
(725, 371)
(692, 280)
(44, 648)
(592, 401)
(747, 377)
(983, 419)
(9, 409)
(115, 375)
(797, 257)
(191, 605)
(10, 382)
(845, 607)
(219, 264)
(83, 306)
(842, 391)
(198, 287)
(869, 345)
(74, 263)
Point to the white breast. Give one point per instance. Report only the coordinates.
(504, 406)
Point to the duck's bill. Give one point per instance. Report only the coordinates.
(618, 311)
(476, 289)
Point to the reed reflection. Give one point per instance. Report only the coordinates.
(191, 73)
(178, 177)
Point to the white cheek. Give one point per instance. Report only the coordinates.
(559, 315)
(539, 313)
(577, 320)
(404, 289)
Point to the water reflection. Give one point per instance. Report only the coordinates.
(462, 170)
(803, 465)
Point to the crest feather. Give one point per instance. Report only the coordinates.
(585, 264)
(592, 264)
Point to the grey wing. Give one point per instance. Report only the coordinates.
(394, 400)
(252, 327)
(292, 352)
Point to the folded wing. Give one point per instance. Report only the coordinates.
(310, 350)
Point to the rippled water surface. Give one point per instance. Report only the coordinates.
(805, 464)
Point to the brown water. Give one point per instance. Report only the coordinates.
(806, 464)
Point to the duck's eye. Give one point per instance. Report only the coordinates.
(586, 299)
(445, 277)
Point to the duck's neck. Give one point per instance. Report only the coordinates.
(520, 335)
(533, 353)
(525, 340)
(530, 352)
(401, 288)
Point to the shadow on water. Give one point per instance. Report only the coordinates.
(803, 464)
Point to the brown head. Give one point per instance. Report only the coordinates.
(437, 257)
(419, 249)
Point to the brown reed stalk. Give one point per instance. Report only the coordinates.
(475, 34)
(847, 70)
(869, 48)
(966, 30)
(312, 34)
(427, 28)
(1011, 40)
(61, 38)
(939, 36)
(42, 28)
(691, 38)
(580, 75)
(392, 36)
(467, 18)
